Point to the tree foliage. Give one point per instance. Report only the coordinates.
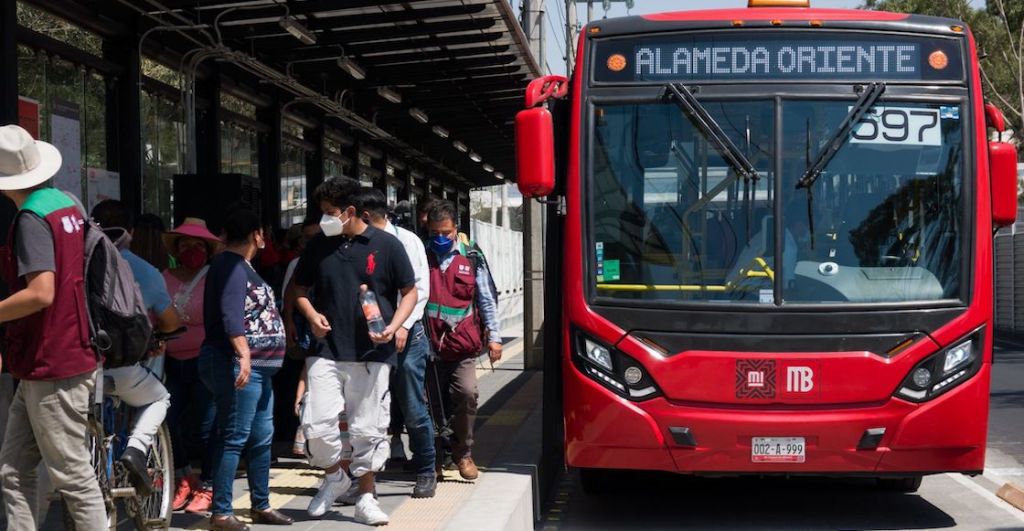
(999, 31)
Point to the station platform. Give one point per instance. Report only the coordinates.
(507, 450)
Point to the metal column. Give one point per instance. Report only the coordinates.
(314, 167)
(533, 224)
(124, 120)
(270, 162)
(8, 63)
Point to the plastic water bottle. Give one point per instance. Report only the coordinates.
(371, 310)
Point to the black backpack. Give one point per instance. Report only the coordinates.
(119, 326)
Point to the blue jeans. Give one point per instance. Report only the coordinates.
(190, 417)
(412, 367)
(244, 423)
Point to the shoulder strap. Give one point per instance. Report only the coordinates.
(184, 296)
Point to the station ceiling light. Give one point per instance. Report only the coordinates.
(419, 115)
(488, 168)
(440, 131)
(499, 175)
(389, 94)
(473, 156)
(460, 146)
(352, 68)
(297, 30)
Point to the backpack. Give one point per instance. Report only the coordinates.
(119, 326)
(477, 258)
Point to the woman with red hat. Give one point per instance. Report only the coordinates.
(191, 414)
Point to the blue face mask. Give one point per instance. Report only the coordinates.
(441, 244)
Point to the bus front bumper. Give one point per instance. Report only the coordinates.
(943, 435)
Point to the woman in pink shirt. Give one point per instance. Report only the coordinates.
(191, 414)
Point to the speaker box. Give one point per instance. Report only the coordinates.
(208, 196)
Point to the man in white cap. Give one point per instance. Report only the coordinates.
(47, 345)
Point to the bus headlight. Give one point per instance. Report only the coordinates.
(944, 370)
(614, 370)
(598, 354)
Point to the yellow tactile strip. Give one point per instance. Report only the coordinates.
(430, 514)
(285, 484)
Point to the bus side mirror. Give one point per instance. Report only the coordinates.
(535, 152)
(1002, 163)
(535, 137)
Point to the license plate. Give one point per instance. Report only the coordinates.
(777, 449)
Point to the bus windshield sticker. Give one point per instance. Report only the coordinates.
(599, 252)
(913, 126)
(611, 270)
(949, 113)
(774, 56)
(766, 296)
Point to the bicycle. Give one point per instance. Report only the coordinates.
(110, 422)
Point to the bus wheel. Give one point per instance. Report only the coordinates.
(597, 481)
(907, 484)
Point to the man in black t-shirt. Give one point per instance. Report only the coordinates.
(348, 366)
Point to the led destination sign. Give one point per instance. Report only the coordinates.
(770, 57)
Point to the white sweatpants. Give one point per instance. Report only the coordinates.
(138, 387)
(360, 390)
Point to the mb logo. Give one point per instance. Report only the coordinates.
(799, 379)
(755, 379)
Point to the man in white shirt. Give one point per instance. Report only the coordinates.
(413, 347)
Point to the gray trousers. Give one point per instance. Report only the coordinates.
(48, 423)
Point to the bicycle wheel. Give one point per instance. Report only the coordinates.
(98, 455)
(154, 511)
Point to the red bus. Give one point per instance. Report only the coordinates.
(776, 252)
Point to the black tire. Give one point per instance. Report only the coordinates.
(598, 481)
(908, 484)
(154, 511)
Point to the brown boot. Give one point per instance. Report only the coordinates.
(467, 468)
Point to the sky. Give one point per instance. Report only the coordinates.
(555, 14)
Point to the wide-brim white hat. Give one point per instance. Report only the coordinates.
(24, 161)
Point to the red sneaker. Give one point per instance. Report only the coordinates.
(183, 491)
(202, 499)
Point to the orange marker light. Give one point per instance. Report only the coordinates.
(737, 23)
(776, 22)
(957, 29)
(617, 62)
(816, 23)
(938, 60)
(595, 29)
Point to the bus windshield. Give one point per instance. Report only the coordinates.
(880, 223)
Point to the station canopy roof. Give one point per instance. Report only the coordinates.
(460, 66)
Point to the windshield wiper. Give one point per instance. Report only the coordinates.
(867, 99)
(723, 144)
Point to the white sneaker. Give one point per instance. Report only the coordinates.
(368, 511)
(329, 491)
(351, 496)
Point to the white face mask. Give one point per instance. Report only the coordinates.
(332, 226)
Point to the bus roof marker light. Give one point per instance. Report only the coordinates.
(778, 3)
(816, 23)
(737, 23)
(776, 22)
(617, 62)
(938, 60)
(594, 30)
(957, 29)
